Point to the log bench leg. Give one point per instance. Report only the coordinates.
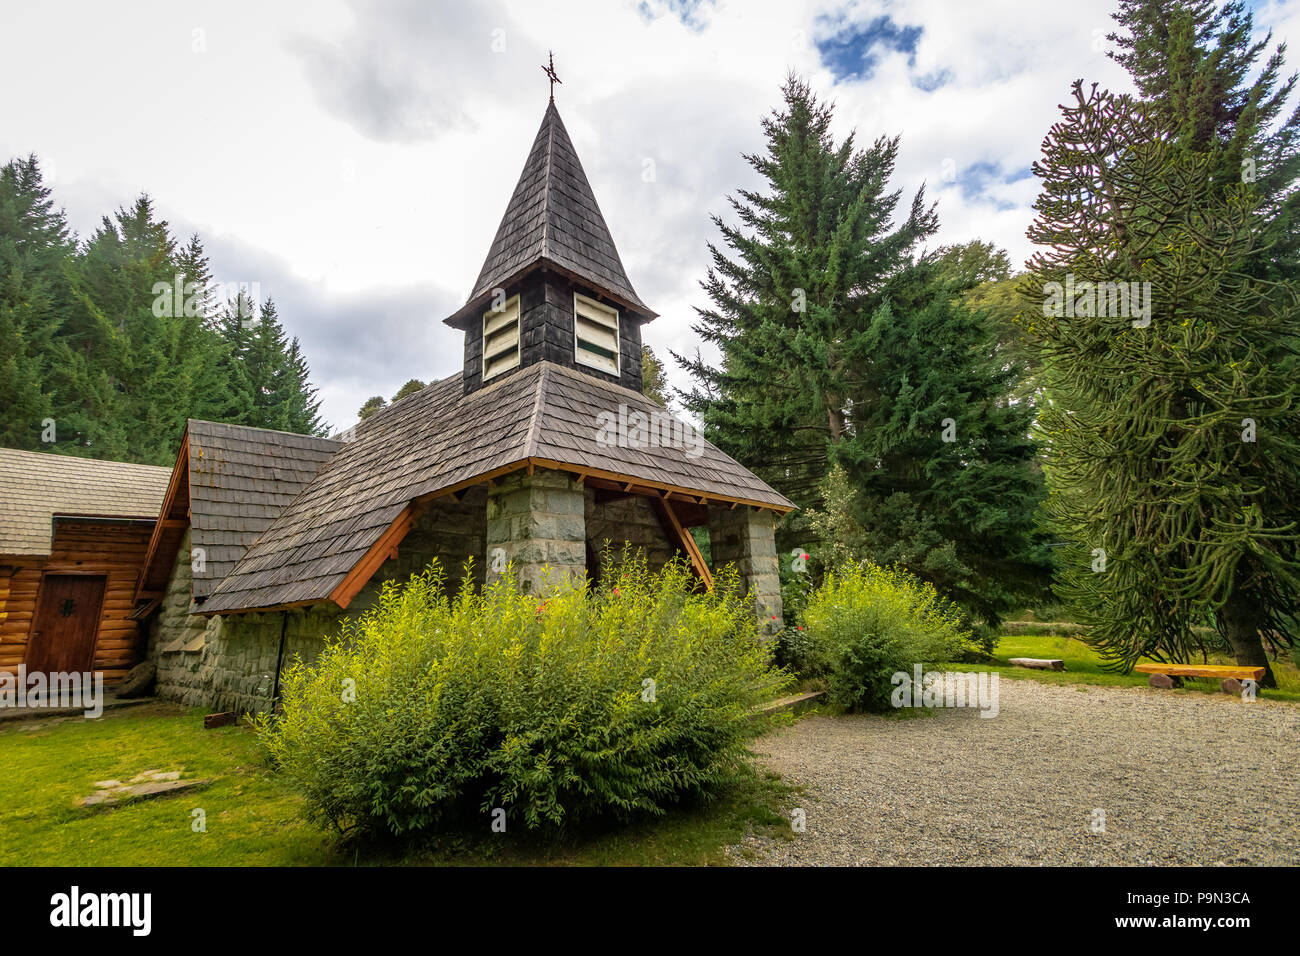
(1231, 685)
(1164, 681)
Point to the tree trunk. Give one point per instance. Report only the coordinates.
(835, 418)
(1240, 620)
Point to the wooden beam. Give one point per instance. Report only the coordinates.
(685, 541)
(261, 610)
(380, 551)
(180, 473)
(649, 486)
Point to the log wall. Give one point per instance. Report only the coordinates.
(116, 549)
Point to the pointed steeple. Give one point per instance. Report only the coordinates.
(553, 221)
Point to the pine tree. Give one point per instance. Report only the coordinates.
(371, 405)
(34, 299)
(654, 379)
(235, 323)
(112, 346)
(839, 345)
(813, 257)
(268, 371)
(304, 406)
(113, 380)
(1172, 440)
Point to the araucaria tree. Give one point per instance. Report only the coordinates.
(1197, 64)
(1171, 434)
(841, 345)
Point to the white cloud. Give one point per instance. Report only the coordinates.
(356, 158)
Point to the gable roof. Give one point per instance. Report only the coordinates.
(440, 440)
(241, 479)
(230, 482)
(35, 486)
(553, 220)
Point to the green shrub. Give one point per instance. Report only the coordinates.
(432, 710)
(797, 653)
(868, 623)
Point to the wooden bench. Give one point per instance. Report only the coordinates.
(1171, 675)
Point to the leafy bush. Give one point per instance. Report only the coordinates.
(867, 623)
(797, 653)
(435, 709)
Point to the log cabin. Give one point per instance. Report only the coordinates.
(73, 537)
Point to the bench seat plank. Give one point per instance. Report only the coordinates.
(1202, 670)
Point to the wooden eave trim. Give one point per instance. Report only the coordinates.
(658, 487)
(180, 471)
(385, 546)
(458, 318)
(269, 609)
(382, 550)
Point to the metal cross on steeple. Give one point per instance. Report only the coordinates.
(550, 72)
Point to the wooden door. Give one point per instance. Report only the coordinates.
(66, 623)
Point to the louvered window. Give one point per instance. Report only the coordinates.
(501, 339)
(595, 329)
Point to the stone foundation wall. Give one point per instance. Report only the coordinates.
(543, 523)
(631, 520)
(537, 523)
(229, 662)
(746, 538)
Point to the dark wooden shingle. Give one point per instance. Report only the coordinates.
(440, 438)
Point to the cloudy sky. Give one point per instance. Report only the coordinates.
(354, 158)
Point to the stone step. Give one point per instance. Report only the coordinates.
(140, 791)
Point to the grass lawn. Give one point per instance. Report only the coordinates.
(254, 819)
(1083, 666)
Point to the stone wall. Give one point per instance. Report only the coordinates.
(537, 523)
(630, 520)
(543, 523)
(229, 662)
(453, 532)
(746, 538)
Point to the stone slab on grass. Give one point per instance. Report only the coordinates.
(143, 786)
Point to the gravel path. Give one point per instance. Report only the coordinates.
(1184, 779)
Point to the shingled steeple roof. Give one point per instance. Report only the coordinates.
(553, 221)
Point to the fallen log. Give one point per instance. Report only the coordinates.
(1039, 663)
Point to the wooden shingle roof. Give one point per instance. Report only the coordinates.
(35, 486)
(553, 220)
(439, 440)
(241, 479)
